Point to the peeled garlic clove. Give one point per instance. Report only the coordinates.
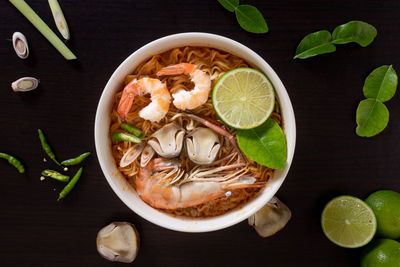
(271, 218)
(131, 155)
(118, 241)
(20, 45)
(147, 155)
(25, 84)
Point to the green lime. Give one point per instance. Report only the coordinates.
(348, 222)
(243, 98)
(386, 206)
(381, 253)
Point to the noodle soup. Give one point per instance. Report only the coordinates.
(213, 63)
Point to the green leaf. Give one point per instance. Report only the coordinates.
(381, 83)
(251, 19)
(230, 5)
(314, 44)
(356, 31)
(372, 117)
(265, 144)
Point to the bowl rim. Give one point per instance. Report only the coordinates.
(289, 128)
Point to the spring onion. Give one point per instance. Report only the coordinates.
(28, 12)
(59, 18)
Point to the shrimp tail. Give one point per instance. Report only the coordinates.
(125, 103)
(182, 68)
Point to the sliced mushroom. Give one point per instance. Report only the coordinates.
(131, 155)
(147, 155)
(271, 218)
(167, 141)
(118, 241)
(202, 145)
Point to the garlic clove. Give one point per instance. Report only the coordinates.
(271, 218)
(118, 241)
(25, 84)
(20, 45)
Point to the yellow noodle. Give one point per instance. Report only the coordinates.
(215, 63)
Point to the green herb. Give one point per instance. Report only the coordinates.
(56, 175)
(314, 44)
(68, 188)
(322, 42)
(265, 144)
(356, 31)
(75, 161)
(248, 17)
(372, 116)
(132, 129)
(28, 12)
(46, 147)
(125, 137)
(230, 5)
(59, 18)
(381, 83)
(13, 161)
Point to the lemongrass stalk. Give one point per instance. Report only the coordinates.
(59, 18)
(28, 12)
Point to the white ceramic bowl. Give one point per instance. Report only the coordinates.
(103, 143)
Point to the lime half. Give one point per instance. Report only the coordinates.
(243, 98)
(348, 222)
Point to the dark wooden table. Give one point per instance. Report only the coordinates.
(330, 159)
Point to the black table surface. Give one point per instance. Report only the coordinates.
(330, 159)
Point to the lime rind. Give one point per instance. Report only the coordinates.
(363, 224)
(235, 113)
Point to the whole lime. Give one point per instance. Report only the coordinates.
(386, 206)
(381, 253)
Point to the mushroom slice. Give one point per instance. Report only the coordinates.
(202, 145)
(168, 141)
(147, 155)
(118, 241)
(20, 45)
(271, 218)
(130, 155)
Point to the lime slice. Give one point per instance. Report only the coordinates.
(243, 98)
(348, 222)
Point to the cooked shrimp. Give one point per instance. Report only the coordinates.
(202, 85)
(160, 99)
(153, 189)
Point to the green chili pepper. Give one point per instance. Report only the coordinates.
(132, 129)
(67, 189)
(46, 147)
(56, 175)
(125, 137)
(13, 161)
(77, 160)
